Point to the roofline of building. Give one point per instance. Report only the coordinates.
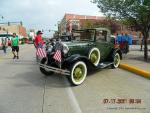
(82, 15)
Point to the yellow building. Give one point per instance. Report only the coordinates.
(18, 29)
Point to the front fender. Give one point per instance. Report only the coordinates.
(74, 58)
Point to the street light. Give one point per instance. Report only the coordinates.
(1, 16)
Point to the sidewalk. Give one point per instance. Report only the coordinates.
(135, 58)
(137, 47)
(8, 50)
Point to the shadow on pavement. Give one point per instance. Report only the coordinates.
(34, 77)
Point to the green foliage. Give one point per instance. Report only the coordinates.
(109, 23)
(30, 38)
(130, 12)
(88, 24)
(23, 40)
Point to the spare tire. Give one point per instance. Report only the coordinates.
(94, 56)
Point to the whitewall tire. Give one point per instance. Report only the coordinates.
(78, 73)
(94, 56)
(116, 60)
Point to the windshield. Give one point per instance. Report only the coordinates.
(84, 35)
(65, 38)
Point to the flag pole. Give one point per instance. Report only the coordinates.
(60, 65)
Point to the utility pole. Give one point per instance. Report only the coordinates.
(1, 16)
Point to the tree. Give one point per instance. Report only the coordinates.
(87, 24)
(133, 12)
(109, 23)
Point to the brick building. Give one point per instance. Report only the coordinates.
(13, 28)
(74, 21)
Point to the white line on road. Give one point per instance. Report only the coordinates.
(72, 98)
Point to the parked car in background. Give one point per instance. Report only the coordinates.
(90, 49)
(30, 42)
(7, 37)
(1, 46)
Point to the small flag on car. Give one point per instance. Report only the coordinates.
(57, 55)
(41, 52)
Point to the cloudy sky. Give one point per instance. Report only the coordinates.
(44, 14)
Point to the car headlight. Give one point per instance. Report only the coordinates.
(50, 48)
(65, 48)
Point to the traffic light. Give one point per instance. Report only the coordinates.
(8, 23)
(21, 23)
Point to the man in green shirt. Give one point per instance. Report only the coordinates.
(15, 45)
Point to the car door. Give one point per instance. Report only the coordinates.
(101, 43)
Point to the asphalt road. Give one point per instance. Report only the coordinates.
(23, 89)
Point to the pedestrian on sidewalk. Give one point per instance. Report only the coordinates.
(9, 42)
(4, 44)
(15, 45)
(126, 43)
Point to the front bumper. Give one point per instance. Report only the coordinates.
(54, 69)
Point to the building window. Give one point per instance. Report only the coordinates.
(75, 24)
(74, 27)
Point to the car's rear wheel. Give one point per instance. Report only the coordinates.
(94, 56)
(116, 60)
(78, 73)
(43, 70)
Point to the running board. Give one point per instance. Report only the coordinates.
(104, 65)
(54, 69)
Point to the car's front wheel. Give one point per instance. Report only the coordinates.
(116, 60)
(78, 73)
(43, 70)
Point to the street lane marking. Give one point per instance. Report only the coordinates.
(72, 98)
(43, 101)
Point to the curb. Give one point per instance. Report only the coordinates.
(135, 70)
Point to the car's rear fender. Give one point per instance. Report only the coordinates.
(112, 53)
(117, 51)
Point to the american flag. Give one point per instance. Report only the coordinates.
(57, 55)
(41, 52)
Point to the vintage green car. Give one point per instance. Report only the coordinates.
(89, 49)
